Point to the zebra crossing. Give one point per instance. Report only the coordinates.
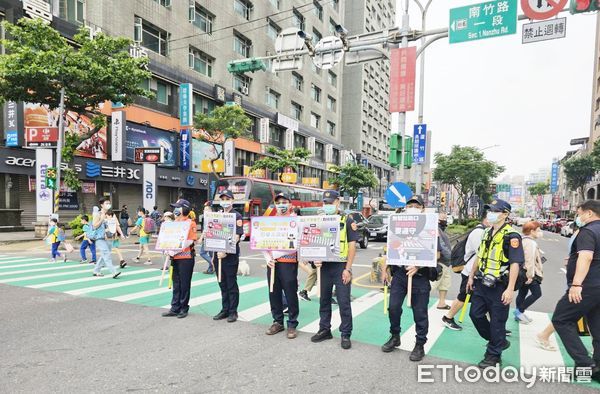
(140, 285)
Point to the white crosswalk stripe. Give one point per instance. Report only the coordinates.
(263, 309)
(22, 259)
(205, 299)
(60, 267)
(436, 328)
(89, 278)
(531, 354)
(27, 265)
(114, 285)
(153, 292)
(77, 270)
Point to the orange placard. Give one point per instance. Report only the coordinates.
(219, 166)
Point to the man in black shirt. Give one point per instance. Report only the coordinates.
(583, 296)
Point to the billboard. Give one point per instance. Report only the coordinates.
(140, 136)
(402, 79)
(203, 151)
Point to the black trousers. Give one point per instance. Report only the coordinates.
(182, 282)
(420, 302)
(230, 292)
(286, 280)
(489, 300)
(565, 320)
(331, 274)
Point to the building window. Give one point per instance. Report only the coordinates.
(318, 10)
(241, 83)
(272, 98)
(331, 128)
(298, 20)
(316, 37)
(201, 62)
(332, 25)
(203, 105)
(243, 8)
(242, 45)
(336, 156)
(336, 5)
(299, 141)
(315, 120)
(71, 10)
(315, 69)
(276, 136)
(202, 19)
(297, 81)
(164, 3)
(319, 150)
(275, 3)
(331, 104)
(315, 93)
(296, 111)
(151, 37)
(162, 92)
(273, 30)
(332, 78)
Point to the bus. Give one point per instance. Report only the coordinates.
(254, 197)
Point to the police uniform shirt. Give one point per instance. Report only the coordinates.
(587, 240)
(351, 234)
(512, 246)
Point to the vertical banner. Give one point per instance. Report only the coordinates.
(43, 195)
(402, 79)
(186, 96)
(554, 178)
(185, 144)
(149, 187)
(117, 129)
(13, 124)
(229, 154)
(419, 143)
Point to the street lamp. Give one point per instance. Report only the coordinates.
(307, 41)
(488, 147)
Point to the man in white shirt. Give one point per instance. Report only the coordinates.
(473, 242)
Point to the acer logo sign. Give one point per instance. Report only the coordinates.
(19, 162)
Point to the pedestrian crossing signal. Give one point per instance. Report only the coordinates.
(51, 178)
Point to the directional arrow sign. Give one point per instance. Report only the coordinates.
(484, 20)
(398, 194)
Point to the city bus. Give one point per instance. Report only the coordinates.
(254, 197)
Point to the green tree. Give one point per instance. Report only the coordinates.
(539, 189)
(223, 123)
(39, 62)
(468, 171)
(281, 159)
(579, 171)
(351, 178)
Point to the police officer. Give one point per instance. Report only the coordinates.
(230, 292)
(286, 279)
(337, 273)
(493, 280)
(183, 264)
(420, 296)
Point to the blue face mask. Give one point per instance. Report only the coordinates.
(226, 204)
(283, 208)
(578, 222)
(177, 211)
(493, 217)
(329, 209)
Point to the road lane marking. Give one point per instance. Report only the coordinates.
(89, 278)
(205, 299)
(436, 329)
(43, 276)
(563, 270)
(532, 356)
(24, 259)
(114, 285)
(153, 292)
(61, 267)
(46, 262)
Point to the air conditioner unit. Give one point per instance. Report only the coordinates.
(245, 90)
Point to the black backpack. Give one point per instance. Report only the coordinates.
(457, 258)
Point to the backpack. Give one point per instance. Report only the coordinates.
(149, 226)
(94, 234)
(457, 258)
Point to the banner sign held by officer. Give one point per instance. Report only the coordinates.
(412, 239)
(319, 238)
(219, 232)
(172, 236)
(274, 233)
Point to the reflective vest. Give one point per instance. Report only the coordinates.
(343, 239)
(491, 251)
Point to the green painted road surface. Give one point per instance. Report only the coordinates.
(140, 286)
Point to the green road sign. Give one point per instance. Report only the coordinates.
(484, 20)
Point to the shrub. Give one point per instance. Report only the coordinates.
(76, 226)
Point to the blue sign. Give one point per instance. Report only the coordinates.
(186, 98)
(12, 138)
(419, 143)
(213, 189)
(185, 143)
(190, 180)
(397, 194)
(360, 201)
(92, 170)
(554, 178)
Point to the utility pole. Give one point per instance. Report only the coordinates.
(402, 115)
(59, 147)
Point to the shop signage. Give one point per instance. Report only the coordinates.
(149, 155)
(118, 136)
(149, 186)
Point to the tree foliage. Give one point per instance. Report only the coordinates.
(351, 178)
(578, 171)
(281, 159)
(468, 171)
(539, 189)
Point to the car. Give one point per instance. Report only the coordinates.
(559, 224)
(378, 226)
(567, 230)
(362, 230)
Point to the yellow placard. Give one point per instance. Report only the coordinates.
(289, 177)
(258, 173)
(329, 186)
(219, 165)
(310, 182)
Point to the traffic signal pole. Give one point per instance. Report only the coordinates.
(402, 115)
(59, 148)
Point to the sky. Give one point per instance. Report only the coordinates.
(531, 99)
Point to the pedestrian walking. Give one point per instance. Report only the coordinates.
(311, 280)
(183, 264)
(86, 243)
(115, 234)
(583, 295)
(103, 245)
(124, 220)
(52, 238)
(493, 280)
(338, 274)
(285, 280)
(142, 226)
(230, 292)
(156, 218)
(534, 269)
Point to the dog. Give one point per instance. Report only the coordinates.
(243, 268)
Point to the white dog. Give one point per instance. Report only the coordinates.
(243, 268)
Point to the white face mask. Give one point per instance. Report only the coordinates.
(412, 210)
(493, 217)
(540, 233)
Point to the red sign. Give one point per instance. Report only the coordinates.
(540, 10)
(149, 155)
(41, 137)
(402, 79)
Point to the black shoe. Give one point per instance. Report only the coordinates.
(596, 373)
(489, 361)
(417, 353)
(115, 276)
(451, 324)
(506, 345)
(346, 343)
(170, 314)
(508, 333)
(321, 336)
(304, 295)
(221, 315)
(333, 301)
(182, 315)
(285, 311)
(123, 264)
(232, 318)
(391, 344)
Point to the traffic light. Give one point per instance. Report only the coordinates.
(408, 153)
(443, 199)
(580, 6)
(248, 65)
(51, 178)
(396, 150)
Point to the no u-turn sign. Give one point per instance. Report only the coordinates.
(542, 9)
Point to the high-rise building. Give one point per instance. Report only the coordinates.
(366, 120)
(595, 113)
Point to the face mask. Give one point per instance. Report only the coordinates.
(493, 217)
(283, 208)
(177, 211)
(540, 234)
(107, 206)
(578, 222)
(226, 204)
(329, 209)
(412, 210)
